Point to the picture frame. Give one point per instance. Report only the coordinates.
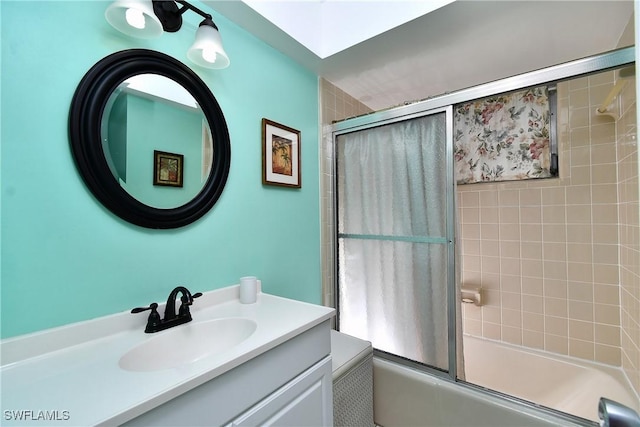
(281, 147)
(168, 168)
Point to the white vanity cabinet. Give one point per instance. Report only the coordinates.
(289, 385)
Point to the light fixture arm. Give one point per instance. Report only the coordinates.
(170, 15)
(186, 5)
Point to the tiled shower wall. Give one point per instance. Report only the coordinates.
(629, 211)
(335, 105)
(546, 252)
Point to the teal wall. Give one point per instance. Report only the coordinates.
(65, 258)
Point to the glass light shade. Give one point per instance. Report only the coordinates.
(135, 18)
(116, 15)
(207, 50)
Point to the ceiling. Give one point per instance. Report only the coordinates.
(327, 27)
(458, 45)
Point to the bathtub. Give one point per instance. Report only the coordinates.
(406, 397)
(577, 384)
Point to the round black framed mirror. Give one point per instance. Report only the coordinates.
(155, 159)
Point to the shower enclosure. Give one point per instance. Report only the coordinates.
(398, 283)
(395, 208)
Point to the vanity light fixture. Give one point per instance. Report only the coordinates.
(149, 18)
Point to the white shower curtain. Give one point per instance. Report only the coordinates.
(393, 243)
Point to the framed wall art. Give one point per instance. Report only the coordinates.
(167, 168)
(280, 155)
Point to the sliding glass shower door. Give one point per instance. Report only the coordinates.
(395, 237)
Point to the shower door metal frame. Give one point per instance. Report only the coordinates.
(577, 68)
(550, 75)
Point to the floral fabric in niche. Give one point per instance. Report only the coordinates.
(503, 138)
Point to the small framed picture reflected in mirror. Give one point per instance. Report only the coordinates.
(167, 168)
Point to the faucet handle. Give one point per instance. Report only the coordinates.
(184, 307)
(154, 316)
(153, 307)
(188, 301)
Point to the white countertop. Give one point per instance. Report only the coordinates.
(73, 373)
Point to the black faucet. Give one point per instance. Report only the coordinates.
(171, 319)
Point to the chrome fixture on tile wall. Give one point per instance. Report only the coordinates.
(149, 18)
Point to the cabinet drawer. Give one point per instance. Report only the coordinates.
(305, 401)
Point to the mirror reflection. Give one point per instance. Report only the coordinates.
(156, 140)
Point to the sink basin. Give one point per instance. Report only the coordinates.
(187, 343)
